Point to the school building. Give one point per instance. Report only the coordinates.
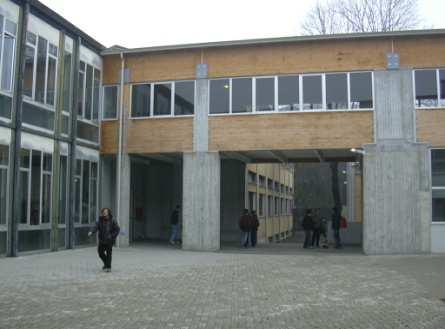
(142, 130)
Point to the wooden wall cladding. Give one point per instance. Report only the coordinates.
(431, 127)
(160, 135)
(291, 131)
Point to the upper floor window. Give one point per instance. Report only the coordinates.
(8, 30)
(163, 99)
(429, 88)
(110, 103)
(438, 184)
(306, 92)
(40, 70)
(88, 94)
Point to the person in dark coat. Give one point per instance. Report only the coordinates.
(316, 230)
(107, 231)
(174, 222)
(245, 224)
(307, 227)
(336, 219)
(254, 229)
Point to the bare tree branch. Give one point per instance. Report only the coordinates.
(346, 16)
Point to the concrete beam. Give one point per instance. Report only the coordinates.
(279, 156)
(237, 156)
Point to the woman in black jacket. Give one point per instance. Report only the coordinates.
(107, 231)
(308, 225)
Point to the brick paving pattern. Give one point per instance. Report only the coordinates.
(271, 287)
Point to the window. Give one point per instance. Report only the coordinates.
(219, 96)
(251, 177)
(66, 89)
(361, 90)
(312, 92)
(241, 95)
(40, 70)
(426, 88)
(63, 189)
(252, 201)
(262, 181)
(442, 87)
(111, 102)
(265, 94)
(35, 187)
(8, 30)
(162, 99)
(276, 205)
(438, 184)
(261, 205)
(336, 91)
(4, 163)
(88, 94)
(85, 207)
(270, 184)
(184, 97)
(270, 205)
(288, 93)
(140, 100)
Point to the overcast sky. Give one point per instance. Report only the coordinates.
(143, 23)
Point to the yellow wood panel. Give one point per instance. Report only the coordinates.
(293, 131)
(421, 52)
(111, 69)
(165, 135)
(109, 137)
(431, 127)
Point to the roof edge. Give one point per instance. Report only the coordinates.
(304, 38)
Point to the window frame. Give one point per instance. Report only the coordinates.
(102, 109)
(7, 168)
(81, 117)
(437, 70)
(40, 226)
(434, 188)
(14, 53)
(91, 221)
(31, 100)
(151, 114)
(300, 76)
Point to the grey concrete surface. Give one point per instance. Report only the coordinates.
(201, 201)
(273, 286)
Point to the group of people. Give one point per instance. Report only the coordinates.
(315, 226)
(248, 225)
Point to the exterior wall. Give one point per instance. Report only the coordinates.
(63, 153)
(274, 227)
(430, 125)
(291, 131)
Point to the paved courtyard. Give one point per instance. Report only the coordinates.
(276, 286)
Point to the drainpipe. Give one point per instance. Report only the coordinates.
(119, 154)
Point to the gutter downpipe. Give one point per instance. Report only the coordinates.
(119, 155)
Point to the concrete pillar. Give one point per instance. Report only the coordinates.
(396, 173)
(201, 178)
(123, 215)
(201, 201)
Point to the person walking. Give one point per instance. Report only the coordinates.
(174, 222)
(107, 231)
(316, 228)
(254, 229)
(245, 226)
(307, 226)
(336, 219)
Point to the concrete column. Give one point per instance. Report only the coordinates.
(201, 178)
(201, 201)
(396, 173)
(123, 216)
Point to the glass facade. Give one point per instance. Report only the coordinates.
(438, 184)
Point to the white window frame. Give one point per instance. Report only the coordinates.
(80, 177)
(439, 105)
(27, 226)
(81, 117)
(300, 77)
(172, 100)
(31, 100)
(2, 36)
